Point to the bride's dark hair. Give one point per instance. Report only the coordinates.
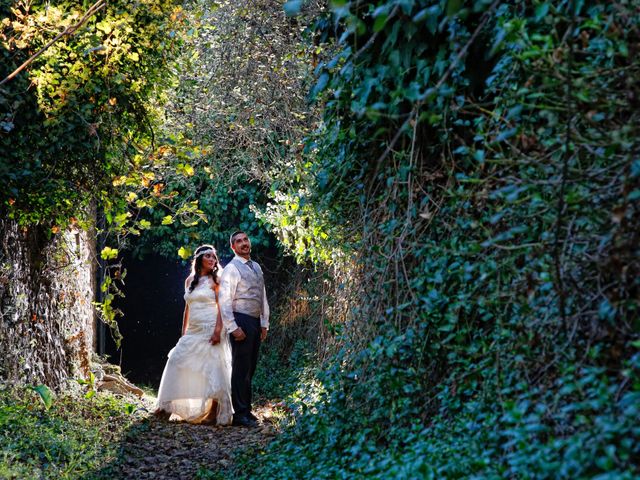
(196, 266)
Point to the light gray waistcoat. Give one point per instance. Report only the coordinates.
(250, 290)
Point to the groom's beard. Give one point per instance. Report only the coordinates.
(242, 251)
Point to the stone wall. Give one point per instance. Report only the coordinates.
(47, 320)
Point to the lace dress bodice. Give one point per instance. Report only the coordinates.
(203, 308)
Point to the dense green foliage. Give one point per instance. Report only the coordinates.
(81, 110)
(237, 109)
(474, 185)
(70, 438)
(77, 125)
(481, 159)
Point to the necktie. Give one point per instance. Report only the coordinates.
(250, 264)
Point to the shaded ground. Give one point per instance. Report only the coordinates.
(160, 449)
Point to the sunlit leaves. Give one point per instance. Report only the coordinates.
(234, 116)
(301, 228)
(144, 224)
(89, 98)
(185, 169)
(109, 253)
(104, 26)
(119, 180)
(121, 219)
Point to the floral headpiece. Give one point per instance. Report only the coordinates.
(206, 250)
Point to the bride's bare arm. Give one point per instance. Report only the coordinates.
(185, 319)
(215, 338)
(185, 315)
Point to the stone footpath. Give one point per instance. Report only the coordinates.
(160, 449)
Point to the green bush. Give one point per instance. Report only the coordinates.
(74, 438)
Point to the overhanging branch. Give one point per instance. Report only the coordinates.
(70, 30)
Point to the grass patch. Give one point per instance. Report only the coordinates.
(70, 439)
(149, 389)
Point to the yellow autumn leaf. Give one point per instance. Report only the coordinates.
(109, 253)
(119, 181)
(184, 252)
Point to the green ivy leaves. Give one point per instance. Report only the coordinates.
(45, 394)
(487, 267)
(90, 98)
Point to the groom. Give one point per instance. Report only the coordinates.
(245, 314)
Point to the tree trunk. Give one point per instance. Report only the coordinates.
(47, 321)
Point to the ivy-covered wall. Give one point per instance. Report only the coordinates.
(479, 159)
(47, 290)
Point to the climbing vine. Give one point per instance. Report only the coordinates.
(79, 106)
(468, 169)
(81, 111)
(480, 158)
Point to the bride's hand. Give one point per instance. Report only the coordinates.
(215, 338)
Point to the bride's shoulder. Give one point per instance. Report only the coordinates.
(188, 281)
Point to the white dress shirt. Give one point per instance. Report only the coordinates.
(228, 284)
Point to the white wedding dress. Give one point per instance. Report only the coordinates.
(198, 373)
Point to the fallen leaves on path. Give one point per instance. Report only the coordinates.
(160, 449)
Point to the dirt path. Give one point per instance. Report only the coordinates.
(160, 449)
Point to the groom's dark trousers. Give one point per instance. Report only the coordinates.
(244, 358)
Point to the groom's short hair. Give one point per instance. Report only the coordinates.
(233, 236)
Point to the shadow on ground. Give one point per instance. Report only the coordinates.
(158, 449)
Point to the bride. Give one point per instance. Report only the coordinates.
(196, 382)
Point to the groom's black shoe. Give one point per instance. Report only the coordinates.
(244, 422)
(253, 417)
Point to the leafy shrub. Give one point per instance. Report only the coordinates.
(480, 156)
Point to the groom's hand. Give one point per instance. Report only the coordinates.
(238, 334)
(263, 334)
